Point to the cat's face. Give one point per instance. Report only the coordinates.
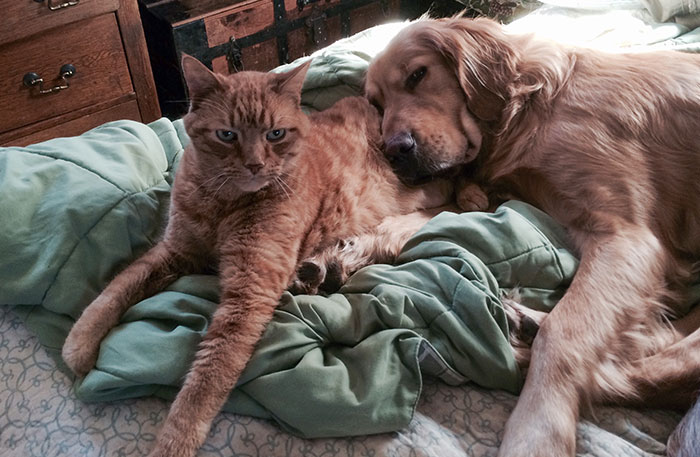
(246, 128)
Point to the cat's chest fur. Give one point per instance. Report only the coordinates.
(332, 192)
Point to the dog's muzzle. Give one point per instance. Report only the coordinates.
(403, 154)
(400, 146)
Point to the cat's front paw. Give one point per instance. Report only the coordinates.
(80, 351)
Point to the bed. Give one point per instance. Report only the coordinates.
(407, 360)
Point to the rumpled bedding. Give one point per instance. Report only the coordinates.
(73, 212)
(617, 25)
(82, 208)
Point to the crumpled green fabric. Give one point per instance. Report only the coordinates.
(349, 363)
(73, 211)
(77, 210)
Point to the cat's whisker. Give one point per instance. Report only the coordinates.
(284, 186)
(222, 185)
(287, 178)
(212, 179)
(280, 178)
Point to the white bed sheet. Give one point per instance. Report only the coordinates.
(40, 417)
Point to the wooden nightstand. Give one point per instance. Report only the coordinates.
(69, 65)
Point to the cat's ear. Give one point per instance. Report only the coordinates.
(292, 81)
(200, 80)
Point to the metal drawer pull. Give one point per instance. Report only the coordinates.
(57, 5)
(32, 79)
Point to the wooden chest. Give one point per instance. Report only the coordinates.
(235, 35)
(70, 65)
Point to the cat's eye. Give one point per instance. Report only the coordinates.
(275, 135)
(227, 136)
(416, 77)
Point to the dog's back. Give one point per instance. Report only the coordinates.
(617, 142)
(643, 112)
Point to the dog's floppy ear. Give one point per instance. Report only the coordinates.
(483, 61)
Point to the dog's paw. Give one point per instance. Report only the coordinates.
(523, 325)
(523, 322)
(327, 271)
(308, 278)
(471, 197)
(315, 278)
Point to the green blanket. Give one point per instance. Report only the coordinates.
(77, 210)
(74, 211)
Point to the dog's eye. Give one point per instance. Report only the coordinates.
(375, 103)
(416, 77)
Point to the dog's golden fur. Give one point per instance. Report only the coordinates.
(607, 144)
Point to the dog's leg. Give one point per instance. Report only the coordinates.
(668, 379)
(616, 289)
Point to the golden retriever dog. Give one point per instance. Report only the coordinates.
(609, 146)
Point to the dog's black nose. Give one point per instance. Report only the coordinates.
(400, 145)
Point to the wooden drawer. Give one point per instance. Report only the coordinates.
(93, 46)
(74, 124)
(22, 18)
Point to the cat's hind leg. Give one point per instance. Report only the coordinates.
(150, 273)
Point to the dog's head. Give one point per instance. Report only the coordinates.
(439, 84)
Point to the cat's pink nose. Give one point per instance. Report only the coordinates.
(254, 167)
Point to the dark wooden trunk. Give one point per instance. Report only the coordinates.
(235, 35)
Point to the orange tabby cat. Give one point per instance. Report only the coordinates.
(260, 187)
